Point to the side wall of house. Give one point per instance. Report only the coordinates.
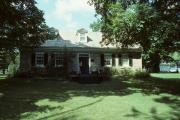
(137, 63)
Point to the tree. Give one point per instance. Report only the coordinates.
(96, 26)
(134, 22)
(53, 33)
(22, 26)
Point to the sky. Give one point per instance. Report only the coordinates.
(67, 15)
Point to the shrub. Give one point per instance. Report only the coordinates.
(141, 74)
(107, 71)
(14, 66)
(127, 72)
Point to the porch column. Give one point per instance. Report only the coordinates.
(49, 59)
(89, 63)
(116, 60)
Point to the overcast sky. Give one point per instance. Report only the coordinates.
(67, 15)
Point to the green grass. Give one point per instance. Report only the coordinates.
(118, 99)
(166, 75)
(2, 77)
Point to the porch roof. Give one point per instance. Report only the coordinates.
(87, 49)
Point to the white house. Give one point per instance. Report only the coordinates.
(85, 54)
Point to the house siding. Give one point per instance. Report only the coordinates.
(137, 63)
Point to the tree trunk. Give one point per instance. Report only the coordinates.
(155, 61)
(155, 67)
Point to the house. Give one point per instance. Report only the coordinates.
(81, 52)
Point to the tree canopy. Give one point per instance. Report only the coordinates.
(22, 26)
(153, 25)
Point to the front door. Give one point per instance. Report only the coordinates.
(84, 65)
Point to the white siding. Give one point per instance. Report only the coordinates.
(137, 63)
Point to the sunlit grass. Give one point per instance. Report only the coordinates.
(2, 77)
(118, 99)
(166, 75)
(135, 106)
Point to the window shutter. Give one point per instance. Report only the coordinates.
(130, 60)
(33, 59)
(52, 60)
(120, 60)
(102, 59)
(113, 59)
(45, 59)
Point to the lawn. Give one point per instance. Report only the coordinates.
(166, 75)
(2, 77)
(118, 99)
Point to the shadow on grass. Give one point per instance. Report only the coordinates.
(68, 111)
(157, 86)
(19, 96)
(152, 115)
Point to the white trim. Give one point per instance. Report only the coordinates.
(116, 60)
(85, 40)
(85, 54)
(108, 56)
(89, 63)
(59, 59)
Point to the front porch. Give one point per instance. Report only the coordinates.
(58, 61)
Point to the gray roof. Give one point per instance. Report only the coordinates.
(82, 30)
(71, 39)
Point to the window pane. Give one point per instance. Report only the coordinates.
(108, 62)
(82, 38)
(59, 60)
(108, 59)
(39, 59)
(125, 62)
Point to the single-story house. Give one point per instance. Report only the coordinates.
(81, 52)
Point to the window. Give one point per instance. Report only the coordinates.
(82, 37)
(125, 60)
(59, 60)
(39, 59)
(108, 60)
